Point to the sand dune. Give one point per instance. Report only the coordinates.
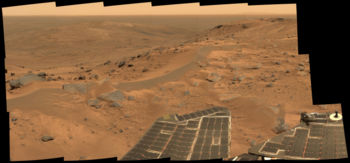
(249, 66)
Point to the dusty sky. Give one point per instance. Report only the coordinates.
(147, 9)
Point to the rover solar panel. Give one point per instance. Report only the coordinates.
(200, 135)
(318, 136)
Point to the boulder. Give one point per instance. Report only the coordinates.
(115, 96)
(15, 84)
(24, 80)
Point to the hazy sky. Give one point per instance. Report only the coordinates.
(147, 9)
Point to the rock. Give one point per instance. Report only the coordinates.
(130, 98)
(213, 77)
(287, 71)
(300, 68)
(269, 85)
(228, 97)
(59, 78)
(79, 87)
(130, 65)
(88, 70)
(195, 84)
(82, 68)
(46, 138)
(187, 93)
(201, 64)
(281, 126)
(257, 66)
(14, 119)
(107, 62)
(24, 80)
(121, 64)
(301, 64)
(94, 103)
(94, 76)
(115, 105)
(144, 70)
(121, 131)
(42, 74)
(15, 84)
(111, 71)
(81, 77)
(278, 63)
(115, 96)
(49, 78)
(12, 74)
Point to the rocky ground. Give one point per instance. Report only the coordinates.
(88, 111)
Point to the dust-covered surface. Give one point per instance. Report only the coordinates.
(98, 85)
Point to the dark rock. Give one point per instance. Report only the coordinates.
(46, 138)
(287, 71)
(121, 64)
(14, 119)
(81, 77)
(107, 62)
(130, 65)
(187, 93)
(49, 78)
(257, 66)
(219, 26)
(121, 131)
(115, 105)
(88, 70)
(111, 71)
(278, 63)
(144, 70)
(42, 74)
(269, 85)
(12, 74)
